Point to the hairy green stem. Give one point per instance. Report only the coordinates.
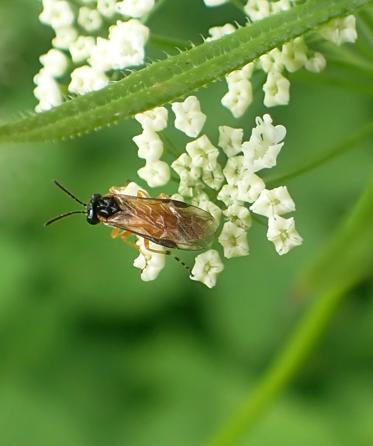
(175, 77)
(283, 369)
(324, 157)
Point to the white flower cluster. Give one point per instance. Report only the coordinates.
(150, 147)
(292, 56)
(82, 59)
(228, 190)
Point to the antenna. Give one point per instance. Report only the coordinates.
(59, 217)
(68, 193)
(187, 267)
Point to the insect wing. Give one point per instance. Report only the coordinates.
(168, 222)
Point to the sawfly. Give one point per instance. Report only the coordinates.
(163, 221)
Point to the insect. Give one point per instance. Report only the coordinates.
(163, 221)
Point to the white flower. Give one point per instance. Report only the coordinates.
(243, 73)
(107, 8)
(316, 63)
(65, 36)
(48, 92)
(177, 197)
(127, 41)
(257, 9)
(86, 79)
(189, 117)
(202, 152)
(280, 5)
(240, 92)
(230, 140)
(282, 232)
(202, 201)
(272, 61)
(276, 90)
(188, 172)
(135, 8)
(215, 2)
(249, 187)
(81, 48)
(273, 202)
(234, 169)
(265, 143)
(132, 30)
(89, 19)
(228, 194)
(239, 95)
(212, 175)
(340, 30)
(206, 268)
(130, 189)
(239, 215)
(217, 32)
(57, 14)
(55, 62)
(234, 241)
(150, 263)
(155, 173)
(294, 54)
(150, 145)
(155, 119)
(189, 190)
(103, 55)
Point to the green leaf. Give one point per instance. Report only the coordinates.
(175, 77)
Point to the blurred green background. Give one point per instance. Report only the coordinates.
(90, 355)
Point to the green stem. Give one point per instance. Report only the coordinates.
(290, 360)
(176, 77)
(326, 156)
(259, 220)
(170, 146)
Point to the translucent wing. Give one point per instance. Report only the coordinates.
(167, 222)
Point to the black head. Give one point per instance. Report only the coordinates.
(100, 206)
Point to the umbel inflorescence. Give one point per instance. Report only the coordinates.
(96, 40)
(222, 179)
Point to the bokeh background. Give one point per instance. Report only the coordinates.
(90, 355)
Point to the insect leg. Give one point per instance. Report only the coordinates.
(124, 237)
(141, 194)
(147, 246)
(115, 232)
(167, 252)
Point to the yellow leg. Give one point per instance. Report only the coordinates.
(115, 233)
(141, 194)
(147, 246)
(124, 237)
